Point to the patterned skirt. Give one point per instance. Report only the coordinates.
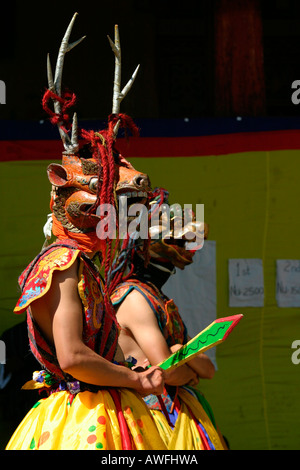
(188, 424)
(113, 419)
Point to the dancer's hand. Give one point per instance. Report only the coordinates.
(183, 375)
(151, 381)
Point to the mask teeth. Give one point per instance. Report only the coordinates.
(193, 246)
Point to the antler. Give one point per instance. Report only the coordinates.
(70, 144)
(118, 95)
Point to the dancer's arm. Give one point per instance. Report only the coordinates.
(200, 364)
(137, 317)
(59, 314)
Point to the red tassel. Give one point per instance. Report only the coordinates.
(125, 436)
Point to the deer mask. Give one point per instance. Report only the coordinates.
(93, 173)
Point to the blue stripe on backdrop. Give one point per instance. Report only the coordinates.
(31, 130)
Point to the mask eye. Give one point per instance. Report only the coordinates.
(93, 184)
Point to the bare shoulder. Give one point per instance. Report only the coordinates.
(62, 291)
(69, 275)
(134, 310)
(135, 301)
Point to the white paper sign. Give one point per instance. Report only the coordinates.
(194, 292)
(246, 283)
(288, 283)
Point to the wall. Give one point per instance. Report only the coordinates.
(251, 196)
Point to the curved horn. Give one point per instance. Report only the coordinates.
(118, 95)
(71, 145)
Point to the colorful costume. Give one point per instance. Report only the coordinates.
(183, 416)
(77, 415)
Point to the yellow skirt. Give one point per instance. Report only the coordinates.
(193, 429)
(91, 421)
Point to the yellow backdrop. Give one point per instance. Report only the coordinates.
(251, 204)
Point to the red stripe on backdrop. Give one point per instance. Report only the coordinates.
(153, 147)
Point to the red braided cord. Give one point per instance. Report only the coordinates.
(67, 100)
(126, 122)
(105, 193)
